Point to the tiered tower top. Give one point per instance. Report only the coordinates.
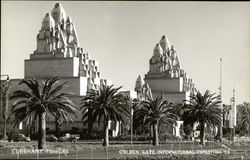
(57, 35)
(58, 52)
(165, 64)
(165, 60)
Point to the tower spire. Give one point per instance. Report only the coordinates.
(58, 13)
(164, 42)
(158, 50)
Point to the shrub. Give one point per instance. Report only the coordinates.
(168, 136)
(209, 137)
(50, 131)
(34, 136)
(95, 135)
(74, 130)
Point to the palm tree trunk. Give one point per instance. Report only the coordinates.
(151, 131)
(155, 134)
(202, 133)
(5, 130)
(90, 121)
(120, 128)
(5, 115)
(34, 130)
(249, 129)
(106, 133)
(28, 130)
(58, 127)
(31, 124)
(42, 131)
(192, 132)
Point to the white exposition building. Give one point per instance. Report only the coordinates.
(165, 77)
(58, 53)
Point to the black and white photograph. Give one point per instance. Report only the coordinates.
(130, 80)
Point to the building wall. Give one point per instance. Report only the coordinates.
(51, 67)
(175, 97)
(165, 84)
(170, 88)
(75, 85)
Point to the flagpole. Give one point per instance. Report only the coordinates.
(221, 104)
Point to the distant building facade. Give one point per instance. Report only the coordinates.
(230, 113)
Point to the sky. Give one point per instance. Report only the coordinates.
(121, 36)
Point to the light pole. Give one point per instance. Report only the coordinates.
(131, 124)
(5, 86)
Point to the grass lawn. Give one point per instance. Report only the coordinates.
(122, 150)
(239, 149)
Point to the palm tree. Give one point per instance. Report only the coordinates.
(134, 105)
(40, 98)
(155, 112)
(188, 123)
(106, 104)
(244, 116)
(204, 109)
(87, 111)
(60, 115)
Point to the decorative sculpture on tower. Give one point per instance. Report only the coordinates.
(165, 44)
(58, 13)
(142, 89)
(156, 61)
(58, 34)
(165, 59)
